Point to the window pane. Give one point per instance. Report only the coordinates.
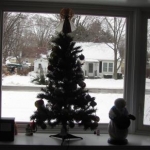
(24, 48)
(90, 68)
(105, 67)
(146, 119)
(110, 68)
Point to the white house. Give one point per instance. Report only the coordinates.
(99, 60)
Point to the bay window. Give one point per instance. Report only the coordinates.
(134, 53)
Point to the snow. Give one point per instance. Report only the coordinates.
(17, 80)
(20, 104)
(90, 83)
(100, 51)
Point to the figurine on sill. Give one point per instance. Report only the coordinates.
(31, 128)
(119, 123)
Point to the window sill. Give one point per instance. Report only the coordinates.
(39, 141)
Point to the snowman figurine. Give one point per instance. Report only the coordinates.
(119, 123)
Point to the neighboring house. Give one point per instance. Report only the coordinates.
(30, 54)
(11, 60)
(28, 61)
(99, 60)
(25, 61)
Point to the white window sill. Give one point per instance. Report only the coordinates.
(90, 141)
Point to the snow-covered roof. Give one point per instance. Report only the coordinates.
(91, 60)
(40, 60)
(93, 51)
(43, 56)
(97, 51)
(8, 62)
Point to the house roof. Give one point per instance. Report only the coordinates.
(40, 59)
(94, 51)
(97, 51)
(91, 60)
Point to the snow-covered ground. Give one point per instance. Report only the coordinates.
(20, 104)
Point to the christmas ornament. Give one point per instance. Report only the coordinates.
(81, 57)
(50, 68)
(39, 103)
(93, 103)
(88, 97)
(66, 25)
(82, 84)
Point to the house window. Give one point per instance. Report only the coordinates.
(110, 67)
(107, 67)
(90, 67)
(104, 67)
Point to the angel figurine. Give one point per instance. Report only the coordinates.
(66, 25)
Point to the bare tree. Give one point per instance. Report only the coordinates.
(43, 28)
(24, 33)
(11, 33)
(116, 26)
(84, 28)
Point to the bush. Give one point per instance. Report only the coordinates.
(119, 75)
(107, 76)
(40, 80)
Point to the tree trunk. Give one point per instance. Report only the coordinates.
(115, 64)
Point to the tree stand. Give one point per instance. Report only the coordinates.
(64, 135)
(117, 142)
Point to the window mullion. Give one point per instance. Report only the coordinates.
(1, 31)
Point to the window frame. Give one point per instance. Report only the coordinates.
(107, 67)
(143, 56)
(133, 48)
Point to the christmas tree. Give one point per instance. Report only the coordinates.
(68, 101)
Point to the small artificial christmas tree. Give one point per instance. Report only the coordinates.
(68, 102)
